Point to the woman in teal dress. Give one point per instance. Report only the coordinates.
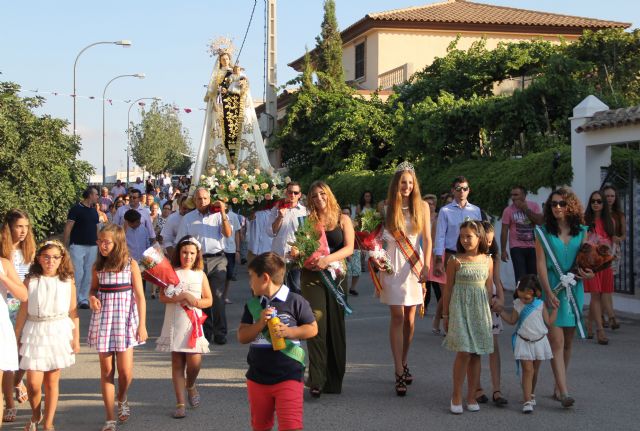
(565, 233)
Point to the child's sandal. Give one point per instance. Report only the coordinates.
(193, 396)
(109, 426)
(124, 411)
(401, 385)
(10, 415)
(179, 412)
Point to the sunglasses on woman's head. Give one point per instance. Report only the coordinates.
(558, 204)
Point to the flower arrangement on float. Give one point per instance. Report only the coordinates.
(246, 190)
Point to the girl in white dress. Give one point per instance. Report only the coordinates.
(9, 283)
(179, 335)
(48, 329)
(530, 343)
(407, 216)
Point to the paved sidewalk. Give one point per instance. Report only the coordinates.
(603, 380)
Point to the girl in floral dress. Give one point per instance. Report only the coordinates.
(466, 313)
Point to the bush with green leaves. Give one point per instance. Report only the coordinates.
(39, 168)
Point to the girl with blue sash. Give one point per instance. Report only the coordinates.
(529, 340)
(557, 245)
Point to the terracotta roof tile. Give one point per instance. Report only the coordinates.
(612, 118)
(460, 11)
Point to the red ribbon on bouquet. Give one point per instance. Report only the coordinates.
(196, 325)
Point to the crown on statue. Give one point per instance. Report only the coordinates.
(221, 45)
(405, 166)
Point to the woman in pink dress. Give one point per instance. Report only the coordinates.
(601, 230)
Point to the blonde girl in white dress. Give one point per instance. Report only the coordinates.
(402, 291)
(48, 329)
(9, 283)
(178, 329)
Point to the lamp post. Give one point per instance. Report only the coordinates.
(129, 129)
(104, 92)
(124, 43)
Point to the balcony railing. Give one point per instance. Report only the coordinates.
(392, 77)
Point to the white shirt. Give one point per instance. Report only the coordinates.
(259, 233)
(450, 218)
(230, 242)
(118, 191)
(207, 229)
(289, 225)
(139, 186)
(170, 230)
(145, 220)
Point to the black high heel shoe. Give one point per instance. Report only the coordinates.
(408, 378)
(401, 385)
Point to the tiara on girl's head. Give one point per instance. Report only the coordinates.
(221, 45)
(405, 166)
(193, 241)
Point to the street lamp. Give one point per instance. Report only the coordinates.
(124, 43)
(129, 129)
(135, 75)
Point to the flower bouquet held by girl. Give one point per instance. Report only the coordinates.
(157, 269)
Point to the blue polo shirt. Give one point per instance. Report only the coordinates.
(267, 366)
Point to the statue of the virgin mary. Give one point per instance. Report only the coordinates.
(231, 134)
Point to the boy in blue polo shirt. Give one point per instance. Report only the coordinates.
(275, 378)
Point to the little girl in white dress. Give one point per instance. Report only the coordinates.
(182, 333)
(48, 328)
(529, 341)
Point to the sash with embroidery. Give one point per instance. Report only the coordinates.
(567, 282)
(291, 350)
(413, 257)
(526, 312)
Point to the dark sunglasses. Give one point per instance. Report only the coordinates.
(596, 201)
(558, 204)
(293, 192)
(460, 188)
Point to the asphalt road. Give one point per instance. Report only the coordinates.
(603, 379)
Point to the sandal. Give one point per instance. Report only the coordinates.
(614, 323)
(193, 396)
(21, 393)
(499, 401)
(602, 338)
(10, 415)
(109, 426)
(33, 426)
(566, 400)
(401, 385)
(315, 392)
(408, 378)
(123, 411)
(180, 412)
(482, 399)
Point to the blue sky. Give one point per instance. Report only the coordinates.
(40, 40)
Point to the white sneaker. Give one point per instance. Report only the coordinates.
(456, 409)
(533, 400)
(473, 407)
(527, 407)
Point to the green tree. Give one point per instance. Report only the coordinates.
(328, 59)
(159, 143)
(39, 169)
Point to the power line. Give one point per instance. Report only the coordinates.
(255, 2)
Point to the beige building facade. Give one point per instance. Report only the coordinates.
(384, 49)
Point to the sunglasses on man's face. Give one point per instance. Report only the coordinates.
(461, 189)
(293, 192)
(558, 204)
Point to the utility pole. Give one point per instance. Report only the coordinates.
(271, 102)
